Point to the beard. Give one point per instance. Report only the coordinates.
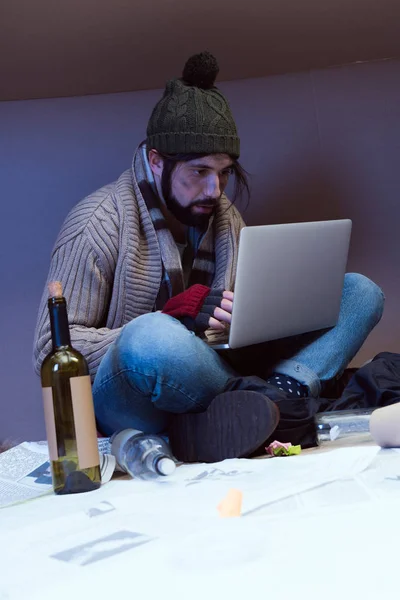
(185, 214)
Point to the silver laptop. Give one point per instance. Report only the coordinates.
(289, 280)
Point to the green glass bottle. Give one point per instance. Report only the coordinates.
(68, 407)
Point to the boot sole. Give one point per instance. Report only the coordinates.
(235, 424)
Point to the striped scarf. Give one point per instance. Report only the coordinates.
(200, 243)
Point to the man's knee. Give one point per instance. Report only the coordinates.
(370, 296)
(153, 339)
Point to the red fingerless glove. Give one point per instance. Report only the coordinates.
(194, 306)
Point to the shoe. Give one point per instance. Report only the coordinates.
(235, 424)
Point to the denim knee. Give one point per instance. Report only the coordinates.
(372, 298)
(153, 340)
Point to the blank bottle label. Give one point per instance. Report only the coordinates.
(85, 423)
(50, 422)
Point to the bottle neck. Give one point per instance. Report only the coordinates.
(59, 322)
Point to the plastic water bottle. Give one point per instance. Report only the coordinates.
(341, 424)
(142, 455)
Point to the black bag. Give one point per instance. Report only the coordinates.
(296, 424)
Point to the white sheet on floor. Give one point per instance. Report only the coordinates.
(197, 489)
(140, 533)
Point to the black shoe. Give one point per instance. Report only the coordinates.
(235, 424)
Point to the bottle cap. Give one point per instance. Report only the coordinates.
(165, 466)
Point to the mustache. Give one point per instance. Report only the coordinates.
(209, 202)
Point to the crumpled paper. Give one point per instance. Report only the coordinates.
(282, 449)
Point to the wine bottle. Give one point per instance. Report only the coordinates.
(68, 407)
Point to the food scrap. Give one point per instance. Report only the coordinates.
(231, 505)
(280, 449)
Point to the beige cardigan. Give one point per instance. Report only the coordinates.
(108, 259)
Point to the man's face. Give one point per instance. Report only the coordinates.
(195, 188)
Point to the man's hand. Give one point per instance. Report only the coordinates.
(223, 313)
(200, 307)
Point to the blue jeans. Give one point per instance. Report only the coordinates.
(157, 366)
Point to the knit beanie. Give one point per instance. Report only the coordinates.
(193, 116)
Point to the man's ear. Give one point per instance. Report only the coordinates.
(156, 162)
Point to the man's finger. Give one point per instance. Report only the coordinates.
(226, 305)
(222, 315)
(215, 324)
(228, 295)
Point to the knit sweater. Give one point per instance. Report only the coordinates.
(108, 258)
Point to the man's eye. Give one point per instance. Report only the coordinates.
(199, 172)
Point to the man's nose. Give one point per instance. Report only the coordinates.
(213, 188)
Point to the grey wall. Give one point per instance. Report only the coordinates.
(321, 144)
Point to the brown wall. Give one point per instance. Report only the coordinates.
(321, 144)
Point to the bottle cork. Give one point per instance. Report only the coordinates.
(55, 289)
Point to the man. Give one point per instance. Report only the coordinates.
(148, 266)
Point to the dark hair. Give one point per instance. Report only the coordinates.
(241, 185)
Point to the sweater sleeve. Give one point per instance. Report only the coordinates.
(87, 290)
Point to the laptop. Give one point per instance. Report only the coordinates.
(289, 280)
